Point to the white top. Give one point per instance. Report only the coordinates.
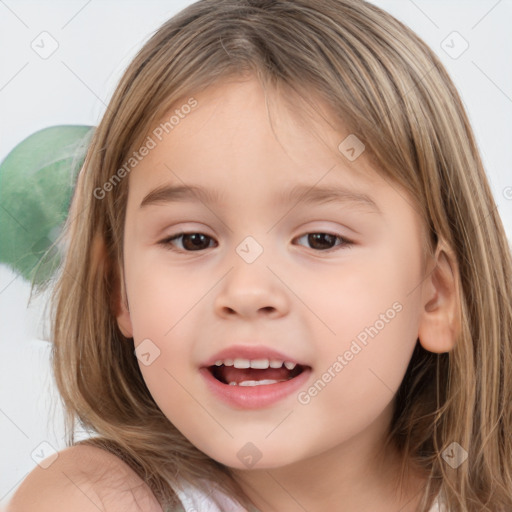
(195, 500)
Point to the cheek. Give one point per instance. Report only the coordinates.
(352, 296)
(361, 368)
(161, 309)
(160, 296)
(162, 302)
(371, 306)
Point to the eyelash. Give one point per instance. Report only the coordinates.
(345, 243)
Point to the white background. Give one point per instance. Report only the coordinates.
(97, 39)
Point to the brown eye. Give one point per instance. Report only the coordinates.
(190, 241)
(324, 241)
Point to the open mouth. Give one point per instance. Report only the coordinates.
(244, 372)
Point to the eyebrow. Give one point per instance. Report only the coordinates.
(300, 193)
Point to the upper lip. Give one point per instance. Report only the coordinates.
(250, 352)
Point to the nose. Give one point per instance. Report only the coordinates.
(252, 290)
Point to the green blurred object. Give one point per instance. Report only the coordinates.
(37, 179)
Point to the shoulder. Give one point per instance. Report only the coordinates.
(84, 479)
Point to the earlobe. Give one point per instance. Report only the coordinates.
(439, 321)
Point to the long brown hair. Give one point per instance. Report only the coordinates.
(382, 82)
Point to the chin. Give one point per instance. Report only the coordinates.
(249, 456)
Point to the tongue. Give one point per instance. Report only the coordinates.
(229, 374)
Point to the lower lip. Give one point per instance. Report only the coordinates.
(254, 397)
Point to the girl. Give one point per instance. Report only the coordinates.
(286, 284)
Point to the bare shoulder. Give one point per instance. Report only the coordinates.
(84, 479)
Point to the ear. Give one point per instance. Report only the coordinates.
(439, 326)
(123, 317)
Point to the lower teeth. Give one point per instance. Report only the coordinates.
(256, 382)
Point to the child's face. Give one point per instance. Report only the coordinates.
(348, 313)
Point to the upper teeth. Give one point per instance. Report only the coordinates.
(260, 364)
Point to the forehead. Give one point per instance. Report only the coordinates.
(238, 132)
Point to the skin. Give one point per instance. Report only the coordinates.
(302, 300)
(83, 479)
